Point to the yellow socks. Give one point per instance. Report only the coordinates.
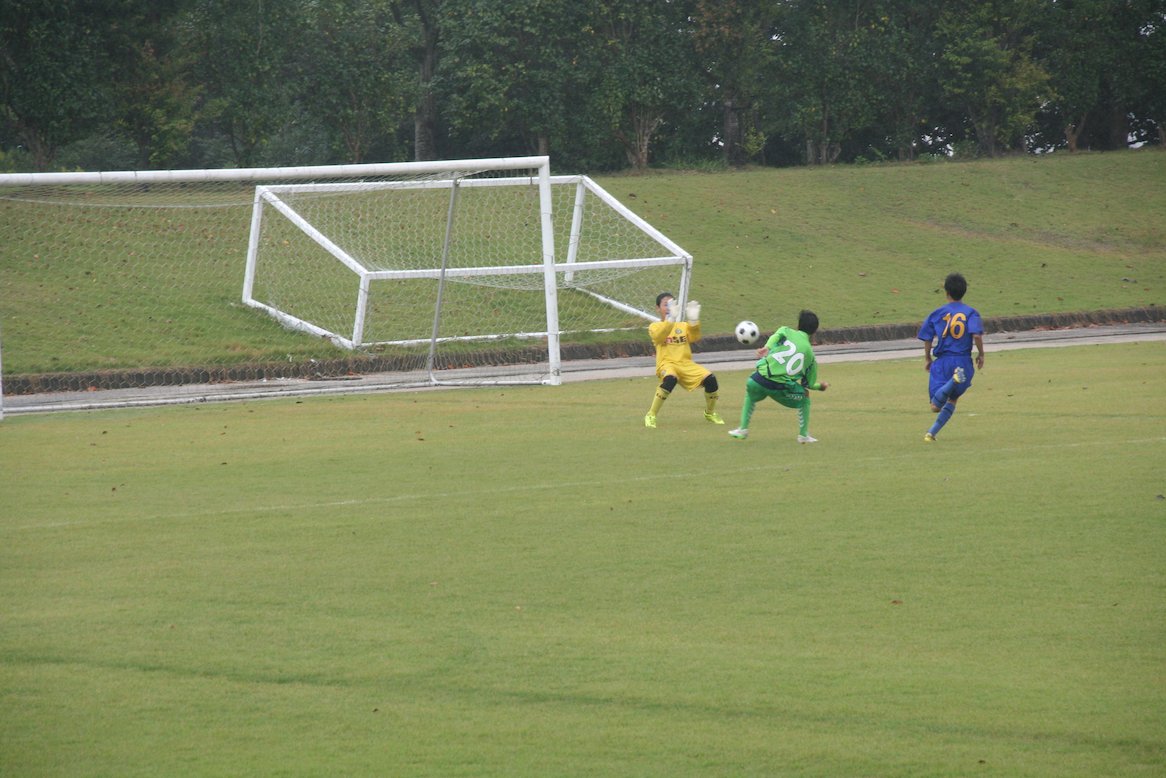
(658, 400)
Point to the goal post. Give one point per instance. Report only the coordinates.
(452, 271)
(273, 201)
(422, 238)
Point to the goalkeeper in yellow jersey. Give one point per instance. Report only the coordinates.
(674, 365)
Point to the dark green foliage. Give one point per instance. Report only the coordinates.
(599, 85)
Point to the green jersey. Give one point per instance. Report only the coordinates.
(789, 359)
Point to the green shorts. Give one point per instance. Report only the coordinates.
(758, 387)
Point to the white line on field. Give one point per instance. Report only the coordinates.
(293, 507)
(530, 487)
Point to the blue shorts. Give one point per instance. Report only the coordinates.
(942, 370)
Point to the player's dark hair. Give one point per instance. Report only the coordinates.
(956, 286)
(660, 297)
(808, 322)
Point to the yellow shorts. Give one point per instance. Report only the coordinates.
(688, 374)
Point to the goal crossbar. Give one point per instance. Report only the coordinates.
(234, 175)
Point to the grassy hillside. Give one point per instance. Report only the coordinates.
(871, 245)
(860, 245)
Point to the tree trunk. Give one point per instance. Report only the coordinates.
(906, 152)
(637, 148)
(425, 118)
(824, 144)
(1119, 129)
(42, 152)
(425, 112)
(424, 142)
(986, 139)
(732, 136)
(1073, 132)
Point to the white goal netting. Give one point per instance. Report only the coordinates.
(475, 270)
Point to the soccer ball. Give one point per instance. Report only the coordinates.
(747, 332)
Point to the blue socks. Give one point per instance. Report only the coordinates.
(944, 414)
(944, 392)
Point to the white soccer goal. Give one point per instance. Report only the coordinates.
(438, 260)
(455, 271)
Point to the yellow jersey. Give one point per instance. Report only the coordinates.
(673, 340)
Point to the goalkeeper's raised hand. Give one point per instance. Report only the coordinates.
(692, 311)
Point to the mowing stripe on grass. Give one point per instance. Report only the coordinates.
(682, 476)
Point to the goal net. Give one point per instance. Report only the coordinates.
(473, 270)
(466, 266)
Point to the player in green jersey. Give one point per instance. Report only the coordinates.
(786, 371)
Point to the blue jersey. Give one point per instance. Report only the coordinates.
(954, 325)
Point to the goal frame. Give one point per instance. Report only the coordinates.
(549, 268)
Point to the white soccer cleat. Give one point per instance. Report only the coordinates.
(739, 434)
(958, 375)
(806, 439)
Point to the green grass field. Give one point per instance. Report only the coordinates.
(526, 582)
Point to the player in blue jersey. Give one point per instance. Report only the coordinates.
(948, 335)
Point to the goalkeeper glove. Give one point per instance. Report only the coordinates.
(692, 310)
(671, 313)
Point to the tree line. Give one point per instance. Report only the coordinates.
(600, 85)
